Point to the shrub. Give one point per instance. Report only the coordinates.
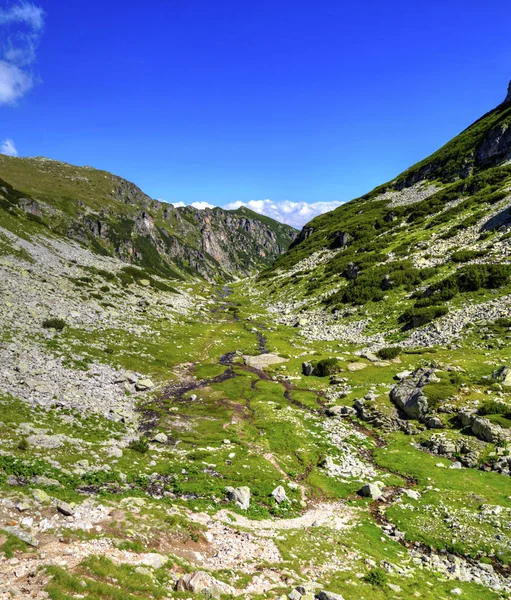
(141, 445)
(415, 317)
(462, 256)
(470, 279)
(495, 407)
(389, 353)
(326, 367)
(376, 576)
(54, 323)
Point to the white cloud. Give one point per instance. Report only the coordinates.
(202, 205)
(7, 147)
(21, 26)
(199, 205)
(13, 82)
(286, 211)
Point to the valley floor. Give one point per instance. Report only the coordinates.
(122, 426)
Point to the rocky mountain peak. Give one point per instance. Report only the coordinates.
(508, 97)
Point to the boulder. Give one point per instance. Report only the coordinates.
(324, 595)
(41, 496)
(408, 394)
(403, 375)
(334, 411)
(307, 369)
(370, 356)
(154, 560)
(279, 494)
(143, 385)
(487, 431)
(21, 535)
(466, 417)
(262, 361)
(434, 423)
(370, 490)
(413, 494)
(502, 375)
(161, 438)
(201, 582)
(356, 366)
(64, 508)
(239, 495)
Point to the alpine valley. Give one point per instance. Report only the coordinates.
(208, 403)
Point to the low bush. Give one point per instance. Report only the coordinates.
(389, 353)
(470, 278)
(326, 367)
(376, 576)
(462, 256)
(141, 445)
(415, 317)
(54, 323)
(495, 407)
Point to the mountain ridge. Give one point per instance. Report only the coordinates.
(114, 216)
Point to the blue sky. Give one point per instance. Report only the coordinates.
(223, 101)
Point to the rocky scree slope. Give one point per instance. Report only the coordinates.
(416, 260)
(115, 218)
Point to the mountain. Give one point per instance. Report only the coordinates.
(421, 247)
(115, 218)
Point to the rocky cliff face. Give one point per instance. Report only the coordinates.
(117, 218)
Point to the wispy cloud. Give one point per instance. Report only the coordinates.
(21, 26)
(7, 147)
(286, 211)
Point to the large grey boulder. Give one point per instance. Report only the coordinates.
(370, 490)
(487, 431)
(143, 385)
(64, 508)
(409, 395)
(279, 494)
(502, 375)
(201, 582)
(307, 369)
(239, 495)
(24, 536)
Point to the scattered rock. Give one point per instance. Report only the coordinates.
(41, 496)
(307, 369)
(279, 494)
(21, 535)
(239, 495)
(370, 490)
(324, 595)
(143, 385)
(65, 508)
(263, 360)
